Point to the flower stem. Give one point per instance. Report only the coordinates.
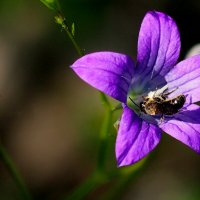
(99, 176)
(87, 186)
(7, 161)
(60, 19)
(92, 182)
(125, 179)
(81, 191)
(104, 133)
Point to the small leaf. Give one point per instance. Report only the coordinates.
(51, 4)
(73, 29)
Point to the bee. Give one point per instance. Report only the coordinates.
(161, 105)
(153, 104)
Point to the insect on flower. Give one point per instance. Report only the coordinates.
(161, 105)
(146, 83)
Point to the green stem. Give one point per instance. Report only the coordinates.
(83, 189)
(124, 183)
(92, 182)
(60, 19)
(7, 161)
(126, 176)
(104, 133)
(99, 177)
(71, 37)
(87, 186)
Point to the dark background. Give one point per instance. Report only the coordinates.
(50, 119)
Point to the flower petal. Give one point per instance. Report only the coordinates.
(185, 127)
(158, 45)
(185, 76)
(109, 72)
(135, 139)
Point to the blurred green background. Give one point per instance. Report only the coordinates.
(50, 119)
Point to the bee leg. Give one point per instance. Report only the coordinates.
(189, 98)
(162, 118)
(184, 108)
(165, 94)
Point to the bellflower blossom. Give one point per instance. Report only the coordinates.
(156, 70)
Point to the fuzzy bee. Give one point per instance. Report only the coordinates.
(161, 105)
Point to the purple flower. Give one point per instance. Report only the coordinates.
(155, 71)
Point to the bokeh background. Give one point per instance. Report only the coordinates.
(50, 120)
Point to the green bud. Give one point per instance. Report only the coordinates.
(60, 20)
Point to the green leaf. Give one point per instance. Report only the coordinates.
(51, 4)
(73, 29)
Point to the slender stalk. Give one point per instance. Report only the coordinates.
(81, 191)
(104, 141)
(123, 184)
(99, 177)
(60, 19)
(69, 34)
(91, 183)
(17, 178)
(126, 177)
(78, 49)
(104, 133)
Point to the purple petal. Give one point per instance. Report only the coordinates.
(158, 45)
(108, 72)
(135, 139)
(185, 127)
(185, 76)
